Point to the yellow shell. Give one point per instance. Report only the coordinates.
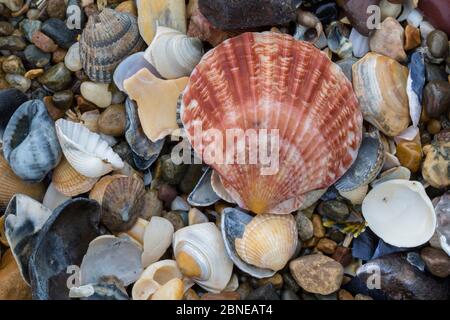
(10, 184)
(69, 182)
(172, 290)
(269, 241)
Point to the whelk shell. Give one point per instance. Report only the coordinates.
(121, 198)
(106, 40)
(141, 87)
(69, 182)
(400, 213)
(29, 143)
(174, 54)
(157, 238)
(60, 245)
(10, 184)
(380, 85)
(86, 151)
(111, 256)
(200, 254)
(168, 13)
(265, 241)
(271, 81)
(155, 276)
(24, 218)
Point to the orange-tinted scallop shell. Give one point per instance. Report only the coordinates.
(271, 81)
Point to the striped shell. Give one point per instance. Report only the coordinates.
(270, 81)
(69, 182)
(269, 241)
(107, 39)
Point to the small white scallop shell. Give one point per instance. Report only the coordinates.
(400, 213)
(86, 151)
(173, 54)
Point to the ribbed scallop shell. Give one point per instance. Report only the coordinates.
(270, 81)
(69, 182)
(10, 184)
(86, 151)
(106, 40)
(269, 241)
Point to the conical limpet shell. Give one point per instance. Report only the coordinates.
(106, 40)
(142, 87)
(29, 143)
(174, 54)
(400, 213)
(380, 85)
(121, 198)
(69, 182)
(314, 109)
(201, 256)
(157, 238)
(24, 218)
(155, 276)
(10, 184)
(86, 151)
(154, 13)
(60, 245)
(111, 256)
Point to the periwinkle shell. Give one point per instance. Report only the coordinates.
(10, 100)
(62, 242)
(30, 144)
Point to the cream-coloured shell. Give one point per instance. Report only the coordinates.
(200, 254)
(69, 182)
(154, 277)
(174, 54)
(138, 230)
(157, 238)
(269, 241)
(357, 195)
(86, 151)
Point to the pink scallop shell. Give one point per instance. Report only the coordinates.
(271, 81)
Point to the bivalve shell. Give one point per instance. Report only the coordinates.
(157, 238)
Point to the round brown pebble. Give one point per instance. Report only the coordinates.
(327, 246)
(437, 261)
(319, 229)
(276, 280)
(112, 121)
(175, 219)
(434, 126)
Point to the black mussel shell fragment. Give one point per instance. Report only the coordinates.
(62, 243)
(30, 144)
(24, 218)
(10, 100)
(203, 194)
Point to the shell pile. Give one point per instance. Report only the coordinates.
(224, 150)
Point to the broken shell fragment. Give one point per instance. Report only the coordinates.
(106, 40)
(400, 213)
(121, 198)
(162, 106)
(167, 13)
(356, 196)
(29, 143)
(244, 62)
(24, 218)
(380, 85)
(195, 216)
(111, 256)
(86, 151)
(154, 277)
(172, 290)
(53, 198)
(203, 194)
(173, 54)
(200, 254)
(157, 238)
(55, 251)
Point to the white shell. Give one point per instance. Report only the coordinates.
(157, 238)
(53, 198)
(86, 151)
(357, 195)
(173, 54)
(154, 277)
(204, 243)
(111, 256)
(195, 216)
(400, 213)
(138, 230)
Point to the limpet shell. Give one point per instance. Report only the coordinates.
(88, 153)
(111, 256)
(232, 87)
(29, 143)
(24, 218)
(400, 213)
(106, 40)
(121, 198)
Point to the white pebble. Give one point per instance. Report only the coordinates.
(72, 59)
(97, 93)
